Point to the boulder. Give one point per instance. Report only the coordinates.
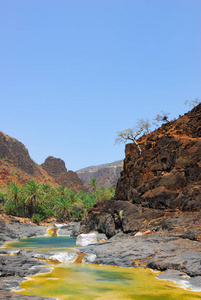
(86, 239)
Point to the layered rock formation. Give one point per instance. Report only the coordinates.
(106, 174)
(164, 182)
(56, 168)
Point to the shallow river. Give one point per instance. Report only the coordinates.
(75, 281)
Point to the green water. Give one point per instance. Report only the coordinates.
(60, 243)
(87, 281)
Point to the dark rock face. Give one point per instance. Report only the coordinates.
(158, 196)
(15, 151)
(159, 189)
(106, 175)
(168, 173)
(112, 217)
(56, 168)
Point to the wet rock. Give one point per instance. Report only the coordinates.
(182, 279)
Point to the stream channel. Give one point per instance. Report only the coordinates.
(76, 280)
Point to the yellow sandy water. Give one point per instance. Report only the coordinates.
(86, 282)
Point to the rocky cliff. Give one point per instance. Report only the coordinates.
(106, 174)
(56, 168)
(17, 165)
(168, 173)
(165, 180)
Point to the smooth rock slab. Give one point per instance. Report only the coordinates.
(153, 251)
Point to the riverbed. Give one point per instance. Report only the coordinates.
(89, 281)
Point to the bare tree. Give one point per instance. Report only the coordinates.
(193, 102)
(132, 134)
(163, 118)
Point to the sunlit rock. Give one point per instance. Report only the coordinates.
(64, 257)
(86, 239)
(139, 233)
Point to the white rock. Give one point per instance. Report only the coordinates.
(64, 257)
(138, 233)
(60, 225)
(86, 239)
(89, 258)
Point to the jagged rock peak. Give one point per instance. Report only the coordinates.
(54, 166)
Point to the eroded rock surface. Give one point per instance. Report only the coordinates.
(168, 172)
(112, 217)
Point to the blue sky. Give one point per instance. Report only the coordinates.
(73, 73)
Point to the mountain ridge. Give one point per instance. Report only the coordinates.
(105, 174)
(17, 165)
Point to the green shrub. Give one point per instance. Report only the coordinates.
(36, 218)
(9, 207)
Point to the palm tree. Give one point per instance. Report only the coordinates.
(72, 197)
(62, 207)
(111, 191)
(15, 191)
(89, 200)
(61, 190)
(45, 187)
(33, 194)
(93, 184)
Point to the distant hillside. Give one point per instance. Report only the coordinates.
(106, 174)
(17, 165)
